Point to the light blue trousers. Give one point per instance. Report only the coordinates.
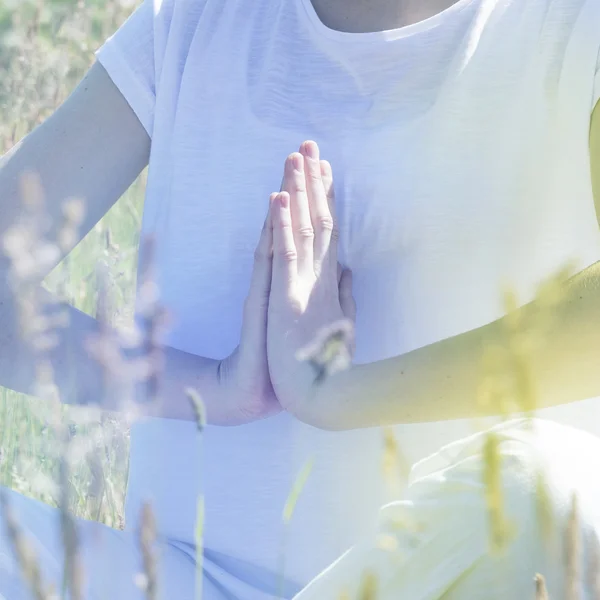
(112, 560)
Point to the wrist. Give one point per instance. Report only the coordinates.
(242, 396)
(317, 408)
(222, 371)
(225, 397)
(316, 401)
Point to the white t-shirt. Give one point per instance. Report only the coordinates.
(459, 148)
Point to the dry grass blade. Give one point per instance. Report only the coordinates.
(541, 593)
(297, 488)
(198, 407)
(521, 341)
(544, 512)
(149, 559)
(73, 568)
(199, 539)
(24, 553)
(395, 466)
(45, 49)
(331, 350)
(573, 553)
(32, 255)
(492, 477)
(153, 318)
(509, 385)
(593, 566)
(369, 588)
(288, 513)
(96, 488)
(103, 345)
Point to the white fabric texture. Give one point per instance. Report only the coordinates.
(460, 155)
(438, 540)
(111, 559)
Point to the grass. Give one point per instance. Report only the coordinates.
(45, 48)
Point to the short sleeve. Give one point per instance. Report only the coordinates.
(596, 96)
(128, 57)
(596, 92)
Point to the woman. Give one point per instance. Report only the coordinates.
(458, 135)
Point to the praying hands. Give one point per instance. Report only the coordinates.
(300, 302)
(311, 308)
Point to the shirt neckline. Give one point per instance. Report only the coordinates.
(382, 36)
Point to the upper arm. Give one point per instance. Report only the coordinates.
(92, 148)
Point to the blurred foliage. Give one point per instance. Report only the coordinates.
(46, 46)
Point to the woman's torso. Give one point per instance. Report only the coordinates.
(459, 151)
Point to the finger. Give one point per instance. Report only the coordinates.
(260, 282)
(327, 178)
(295, 185)
(285, 257)
(320, 213)
(257, 301)
(347, 302)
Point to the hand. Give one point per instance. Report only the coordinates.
(244, 375)
(309, 292)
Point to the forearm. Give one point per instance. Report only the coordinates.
(441, 381)
(81, 379)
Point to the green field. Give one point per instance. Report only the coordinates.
(45, 48)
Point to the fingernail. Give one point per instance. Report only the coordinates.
(298, 162)
(311, 149)
(284, 200)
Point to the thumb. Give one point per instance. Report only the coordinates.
(255, 308)
(347, 302)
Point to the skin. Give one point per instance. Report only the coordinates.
(439, 381)
(308, 292)
(98, 133)
(361, 16)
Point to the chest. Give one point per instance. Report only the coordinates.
(447, 180)
(426, 186)
(427, 153)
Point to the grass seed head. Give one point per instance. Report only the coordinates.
(541, 593)
(332, 349)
